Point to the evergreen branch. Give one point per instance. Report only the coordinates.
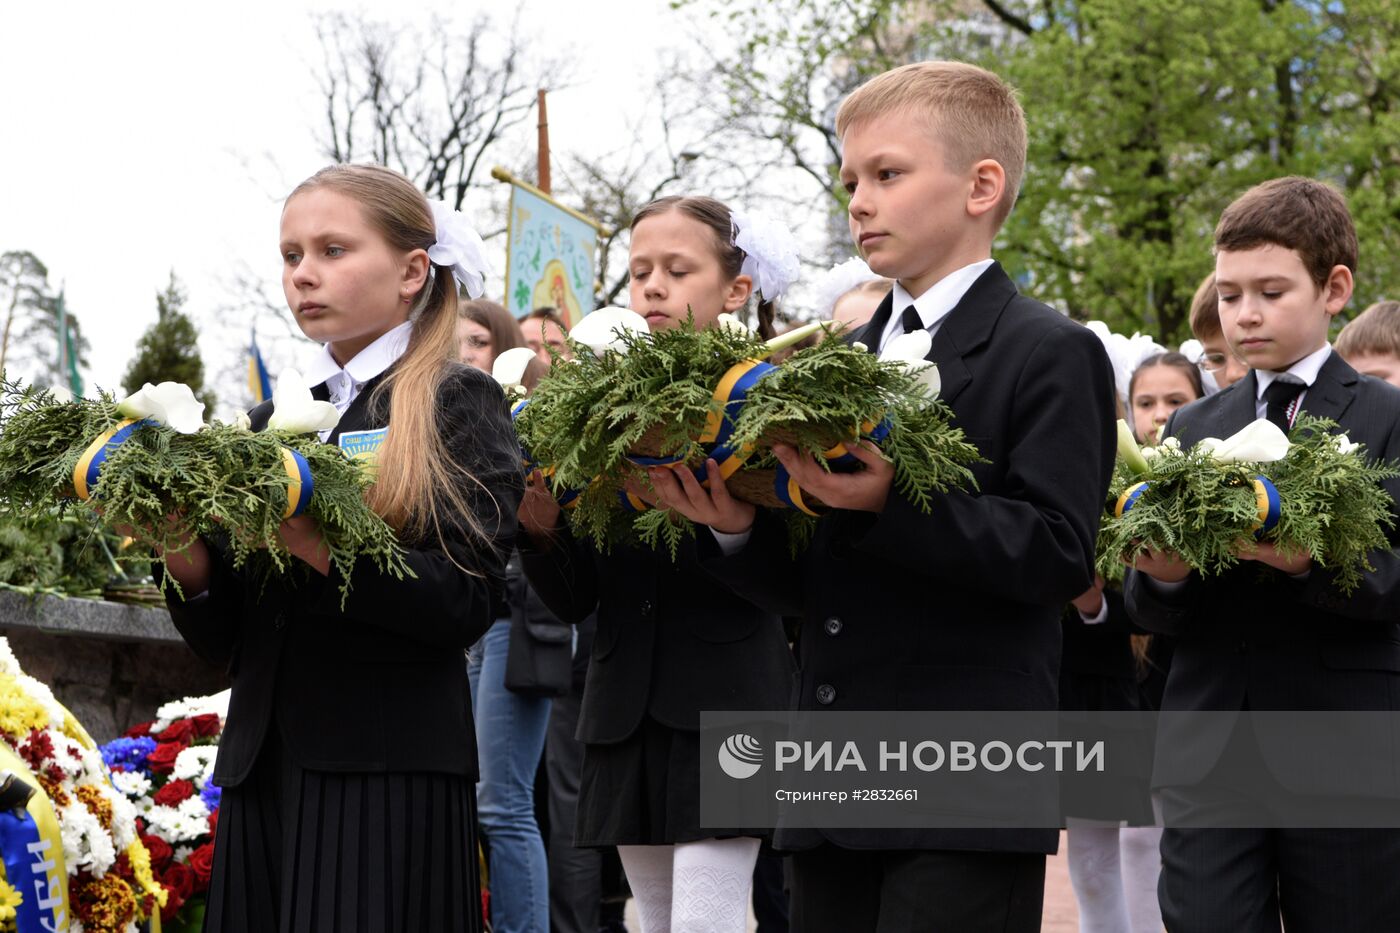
(222, 481)
(655, 398)
(1333, 507)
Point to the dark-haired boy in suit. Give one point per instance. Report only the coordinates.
(958, 608)
(1287, 639)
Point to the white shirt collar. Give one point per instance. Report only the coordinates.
(365, 365)
(935, 303)
(1304, 371)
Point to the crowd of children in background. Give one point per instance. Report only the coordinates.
(988, 599)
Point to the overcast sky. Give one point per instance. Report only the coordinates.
(146, 136)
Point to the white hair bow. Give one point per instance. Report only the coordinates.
(838, 280)
(770, 253)
(459, 247)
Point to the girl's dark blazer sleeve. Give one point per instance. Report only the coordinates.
(563, 573)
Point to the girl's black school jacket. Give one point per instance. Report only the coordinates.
(671, 639)
(381, 684)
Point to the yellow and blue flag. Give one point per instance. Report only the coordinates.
(259, 384)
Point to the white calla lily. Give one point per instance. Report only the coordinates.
(1129, 450)
(1257, 442)
(61, 394)
(602, 330)
(729, 322)
(509, 369)
(242, 421)
(910, 349)
(171, 403)
(293, 408)
(1344, 444)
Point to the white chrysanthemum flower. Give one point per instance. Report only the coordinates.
(1344, 444)
(41, 694)
(194, 808)
(123, 820)
(174, 825)
(132, 784)
(195, 763)
(188, 708)
(85, 843)
(9, 664)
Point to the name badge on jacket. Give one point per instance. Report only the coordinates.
(362, 445)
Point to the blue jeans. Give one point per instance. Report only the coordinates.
(510, 732)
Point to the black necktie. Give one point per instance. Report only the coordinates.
(911, 320)
(1278, 401)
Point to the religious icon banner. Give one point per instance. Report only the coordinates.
(550, 254)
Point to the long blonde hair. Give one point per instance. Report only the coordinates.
(417, 481)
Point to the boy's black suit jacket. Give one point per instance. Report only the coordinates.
(959, 608)
(381, 684)
(671, 641)
(1254, 638)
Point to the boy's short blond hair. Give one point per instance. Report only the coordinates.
(974, 114)
(1373, 332)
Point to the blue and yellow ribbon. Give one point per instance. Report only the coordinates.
(1129, 499)
(731, 393)
(89, 466)
(31, 845)
(1270, 505)
(789, 493)
(1266, 498)
(566, 497)
(630, 502)
(840, 458)
(299, 483)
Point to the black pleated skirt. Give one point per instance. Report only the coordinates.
(300, 851)
(645, 791)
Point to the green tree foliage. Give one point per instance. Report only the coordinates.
(169, 349)
(29, 322)
(1146, 118)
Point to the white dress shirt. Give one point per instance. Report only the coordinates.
(934, 304)
(346, 382)
(1304, 371)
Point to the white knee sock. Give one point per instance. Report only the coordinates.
(1142, 864)
(712, 880)
(1098, 882)
(649, 876)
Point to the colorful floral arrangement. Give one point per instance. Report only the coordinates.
(164, 769)
(1310, 491)
(109, 883)
(149, 467)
